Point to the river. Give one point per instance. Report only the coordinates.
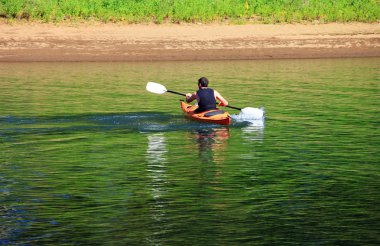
(89, 157)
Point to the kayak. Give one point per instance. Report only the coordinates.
(216, 116)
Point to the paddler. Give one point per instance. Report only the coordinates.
(206, 97)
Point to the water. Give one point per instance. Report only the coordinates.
(87, 156)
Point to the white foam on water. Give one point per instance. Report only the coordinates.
(254, 115)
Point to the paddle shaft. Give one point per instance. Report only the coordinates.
(228, 106)
(181, 94)
(174, 92)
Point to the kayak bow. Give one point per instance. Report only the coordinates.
(215, 116)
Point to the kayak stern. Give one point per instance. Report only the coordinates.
(215, 116)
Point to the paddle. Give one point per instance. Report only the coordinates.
(252, 113)
(160, 89)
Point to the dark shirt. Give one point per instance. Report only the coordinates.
(206, 100)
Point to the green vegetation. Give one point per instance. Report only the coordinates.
(138, 11)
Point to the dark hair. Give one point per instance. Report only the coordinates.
(203, 82)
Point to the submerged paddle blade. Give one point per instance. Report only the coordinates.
(155, 88)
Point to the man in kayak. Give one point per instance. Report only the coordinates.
(206, 97)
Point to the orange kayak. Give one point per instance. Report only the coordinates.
(216, 116)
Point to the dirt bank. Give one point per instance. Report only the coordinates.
(119, 42)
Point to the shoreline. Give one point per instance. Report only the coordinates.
(29, 42)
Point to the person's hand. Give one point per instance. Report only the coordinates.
(221, 104)
(189, 97)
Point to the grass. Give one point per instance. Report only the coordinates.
(176, 11)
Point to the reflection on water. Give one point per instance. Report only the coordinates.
(254, 131)
(211, 143)
(156, 169)
(156, 149)
(156, 161)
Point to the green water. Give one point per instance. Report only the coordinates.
(88, 157)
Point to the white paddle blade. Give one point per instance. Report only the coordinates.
(155, 88)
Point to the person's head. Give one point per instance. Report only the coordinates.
(203, 82)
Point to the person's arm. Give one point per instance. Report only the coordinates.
(191, 97)
(223, 102)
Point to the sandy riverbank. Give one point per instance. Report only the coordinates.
(119, 42)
